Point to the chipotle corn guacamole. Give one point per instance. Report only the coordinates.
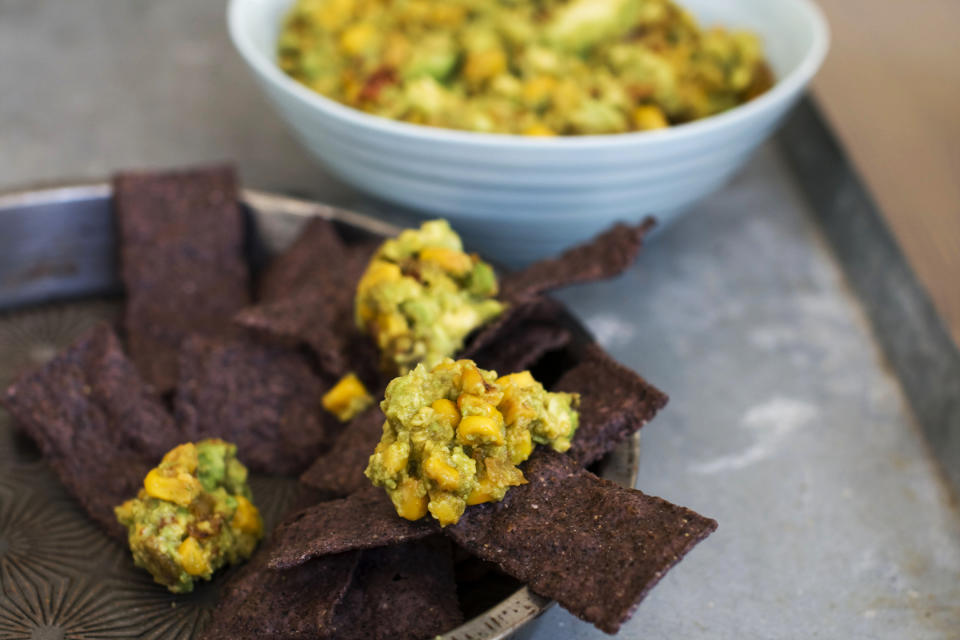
(193, 515)
(533, 67)
(421, 295)
(455, 434)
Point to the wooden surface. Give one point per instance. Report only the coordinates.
(891, 89)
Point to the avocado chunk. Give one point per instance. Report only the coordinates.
(582, 24)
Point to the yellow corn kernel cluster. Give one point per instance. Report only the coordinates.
(192, 558)
(445, 475)
(648, 117)
(456, 263)
(183, 456)
(357, 38)
(484, 65)
(410, 499)
(446, 411)
(393, 456)
(180, 489)
(475, 430)
(347, 398)
(446, 508)
(246, 519)
(539, 130)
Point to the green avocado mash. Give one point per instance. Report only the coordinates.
(549, 67)
(422, 295)
(193, 515)
(454, 435)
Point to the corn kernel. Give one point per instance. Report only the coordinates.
(444, 474)
(480, 429)
(180, 490)
(183, 456)
(454, 262)
(539, 130)
(357, 38)
(515, 412)
(446, 411)
(409, 500)
(485, 491)
(246, 518)
(483, 65)
(192, 558)
(379, 271)
(449, 15)
(470, 404)
(446, 508)
(520, 445)
(520, 379)
(390, 325)
(648, 117)
(537, 90)
(471, 381)
(395, 457)
(347, 398)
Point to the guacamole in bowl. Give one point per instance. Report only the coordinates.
(543, 68)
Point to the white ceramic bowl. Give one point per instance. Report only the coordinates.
(518, 198)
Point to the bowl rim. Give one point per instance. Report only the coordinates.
(781, 91)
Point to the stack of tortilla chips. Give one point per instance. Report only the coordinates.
(208, 352)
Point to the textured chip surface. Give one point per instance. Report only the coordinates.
(605, 256)
(182, 262)
(593, 546)
(365, 520)
(339, 471)
(263, 398)
(294, 604)
(403, 592)
(615, 402)
(96, 422)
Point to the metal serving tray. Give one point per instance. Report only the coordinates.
(61, 577)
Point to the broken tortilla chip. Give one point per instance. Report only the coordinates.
(96, 423)
(402, 592)
(593, 546)
(615, 402)
(365, 520)
(339, 471)
(263, 398)
(182, 263)
(605, 256)
(294, 604)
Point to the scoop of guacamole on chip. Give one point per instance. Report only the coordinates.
(422, 295)
(193, 515)
(454, 435)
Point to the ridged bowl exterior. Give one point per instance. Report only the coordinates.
(519, 198)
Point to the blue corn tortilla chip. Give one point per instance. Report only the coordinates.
(300, 320)
(514, 348)
(615, 402)
(593, 546)
(263, 398)
(306, 298)
(181, 260)
(295, 604)
(365, 520)
(605, 256)
(402, 592)
(339, 471)
(96, 423)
